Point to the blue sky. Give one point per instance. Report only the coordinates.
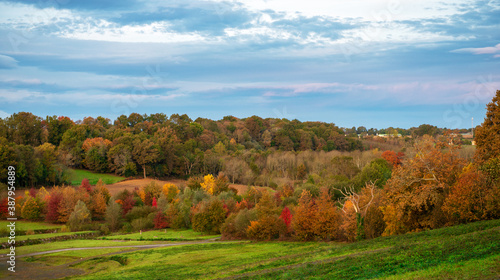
(373, 63)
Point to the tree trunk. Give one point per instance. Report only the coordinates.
(144, 168)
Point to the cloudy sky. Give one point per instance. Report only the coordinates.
(376, 63)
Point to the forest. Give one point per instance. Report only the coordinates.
(306, 180)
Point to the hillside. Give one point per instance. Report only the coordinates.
(469, 251)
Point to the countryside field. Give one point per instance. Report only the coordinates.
(469, 251)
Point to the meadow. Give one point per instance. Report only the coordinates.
(469, 251)
(77, 175)
(461, 252)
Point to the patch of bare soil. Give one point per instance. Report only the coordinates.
(138, 183)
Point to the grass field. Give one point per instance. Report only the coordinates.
(77, 175)
(25, 225)
(462, 252)
(163, 235)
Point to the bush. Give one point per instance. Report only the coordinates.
(80, 217)
(141, 224)
(208, 216)
(266, 228)
(30, 232)
(113, 215)
(64, 228)
(139, 212)
(31, 209)
(236, 224)
(104, 229)
(194, 183)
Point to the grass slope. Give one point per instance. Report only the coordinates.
(162, 235)
(462, 252)
(77, 175)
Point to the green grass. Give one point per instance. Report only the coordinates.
(77, 175)
(163, 235)
(81, 243)
(468, 251)
(45, 235)
(25, 225)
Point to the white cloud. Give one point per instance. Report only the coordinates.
(4, 114)
(486, 50)
(7, 62)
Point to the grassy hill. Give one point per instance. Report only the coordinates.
(77, 175)
(462, 252)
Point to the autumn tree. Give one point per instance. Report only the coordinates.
(79, 217)
(208, 216)
(327, 218)
(417, 190)
(395, 159)
(113, 215)
(209, 184)
(145, 153)
(303, 220)
(54, 202)
(31, 210)
(487, 135)
(473, 198)
(269, 225)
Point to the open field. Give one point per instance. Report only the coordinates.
(462, 252)
(162, 235)
(77, 175)
(137, 183)
(470, 250)
(26, 225)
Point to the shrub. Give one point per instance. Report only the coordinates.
(194, 183)
(31, 209)
(80, 217)
(266, 228)
(208, 216)
(236, 224)
(141, 224)
(113, 215)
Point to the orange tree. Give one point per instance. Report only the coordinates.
(488, 134)
(417, 189)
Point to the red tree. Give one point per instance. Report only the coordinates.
(160, 221)
(393, 158)
(86, 185)
(155, 203)
(53, 206)
(286, 216)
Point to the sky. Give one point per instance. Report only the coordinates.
(372, 63)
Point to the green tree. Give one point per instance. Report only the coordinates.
(79, 217)
(113, 215)
(145, 153)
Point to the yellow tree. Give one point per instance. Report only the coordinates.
(170, 191)
(209, 184)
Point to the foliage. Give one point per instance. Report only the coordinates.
(79, 217)
(113, 215)
(417, 190)
(208, 216)
(170, 191)
(486, 135)
(472, 198)
(31, 210)
(305, 213)
(209, 184)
